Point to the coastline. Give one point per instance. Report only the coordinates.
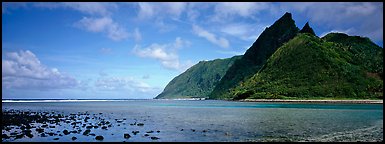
(316, 101)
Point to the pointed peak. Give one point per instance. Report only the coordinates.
(307, 29)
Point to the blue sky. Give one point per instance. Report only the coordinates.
(132, 50)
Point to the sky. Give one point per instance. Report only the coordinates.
(132, 50)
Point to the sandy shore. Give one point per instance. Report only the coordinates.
(316, 101)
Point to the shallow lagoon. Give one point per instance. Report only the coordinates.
(212, 120)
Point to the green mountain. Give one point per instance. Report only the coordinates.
(255, 57)
(307, 29)
(197, 81)
(337, 66)
(288, 63)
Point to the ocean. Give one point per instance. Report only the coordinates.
(200, 121)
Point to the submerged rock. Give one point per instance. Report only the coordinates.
(126, 136)
(99, 137)
(135, 132)
(154, 138)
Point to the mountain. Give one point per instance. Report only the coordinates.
(255, 57)
(307, 29)
(288, 63)
(337, 66)
(197, 81)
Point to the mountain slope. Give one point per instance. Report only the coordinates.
(197, 81)
(270, 39)
(308, 67)
(307, 29)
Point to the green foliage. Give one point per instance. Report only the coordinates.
(267, 43)
(308, 67)
(199, 80)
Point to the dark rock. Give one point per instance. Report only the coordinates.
(135, 132)
(99, 137)
(89, 127)
(19, 136)
(158, 131)
(5, 136)
(60, 135)
(96, 127)
(126, 136)
(74, 131)
(146, 135)
(92, 134)
(50, 133)
(154, 138)
(149, 131)
(204, 131)
(86, 132)
(56, 139)
(181, 129)
(52, 126)
(74, 138)
(104, 127)
(66, 132)
(40, 130)
(140, 124)
(43, 135)
(193, 130)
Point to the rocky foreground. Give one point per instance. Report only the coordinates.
(26, 124)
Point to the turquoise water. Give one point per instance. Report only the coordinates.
(210, 120)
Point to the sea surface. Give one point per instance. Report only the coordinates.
(208, 120)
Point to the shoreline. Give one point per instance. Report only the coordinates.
(316, 101)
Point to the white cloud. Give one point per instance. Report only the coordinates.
(105, 50)
(244, 31)
(226, 11)
(91, 8)
(104, 24)
(165, 53)
(122, 83)
(160, 9)
(137, 35)
(24, 70)
(220, 41)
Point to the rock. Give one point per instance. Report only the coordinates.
(86, 132)
(193, 130)
(19, 136)
(126, 136)
(140, 124)
(74, 131)
(40, 130)
(149, 131)
(135, 132)
(5, 136)
(56, 139)
(181, 129)
(204, 131)
(74, 138)
(99, 137)
(43, 135)
(66, 132)
(92, 134)
(158, 131)
(154, 138)
(52, 126)
(146, 135)
(104, 127)
(89, 127)
(96, 127)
